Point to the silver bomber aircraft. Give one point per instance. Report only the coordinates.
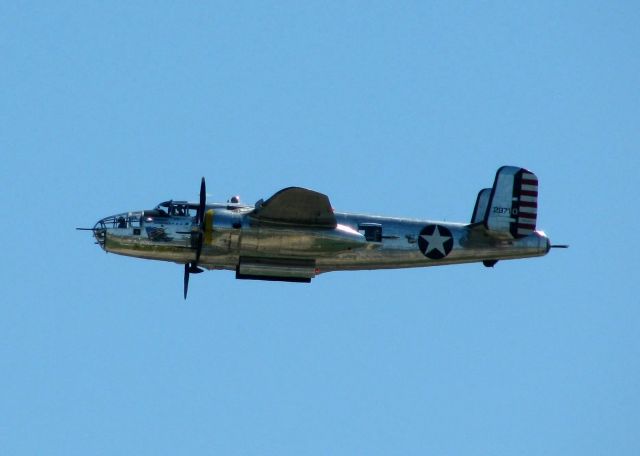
(296, 235)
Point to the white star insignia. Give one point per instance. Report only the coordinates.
(436, 241)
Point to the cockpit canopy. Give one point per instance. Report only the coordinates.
(177, 208)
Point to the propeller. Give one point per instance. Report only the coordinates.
(192, 268)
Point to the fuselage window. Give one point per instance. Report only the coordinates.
(372, 231)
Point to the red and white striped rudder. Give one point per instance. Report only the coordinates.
(513, 204)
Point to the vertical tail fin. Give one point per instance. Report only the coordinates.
(482, 203)
(513, 203)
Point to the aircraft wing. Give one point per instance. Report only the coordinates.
(296, 206)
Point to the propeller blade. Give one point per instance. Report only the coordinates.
(192, 268)
(203, 202)
(560, 246)
(186, 280)
(201, 210)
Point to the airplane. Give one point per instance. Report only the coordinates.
(296, 235)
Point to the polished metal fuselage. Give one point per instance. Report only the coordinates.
(231, 235)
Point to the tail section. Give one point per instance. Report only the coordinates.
(511, 208)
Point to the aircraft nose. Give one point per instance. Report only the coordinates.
(121, 225)
(100, 232)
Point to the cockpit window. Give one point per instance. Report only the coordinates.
(176, 208)
(180, 210)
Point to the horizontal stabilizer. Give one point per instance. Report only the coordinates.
(513, 203)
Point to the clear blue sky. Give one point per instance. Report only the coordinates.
(398, 108)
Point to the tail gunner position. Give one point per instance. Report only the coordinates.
(295, 235)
